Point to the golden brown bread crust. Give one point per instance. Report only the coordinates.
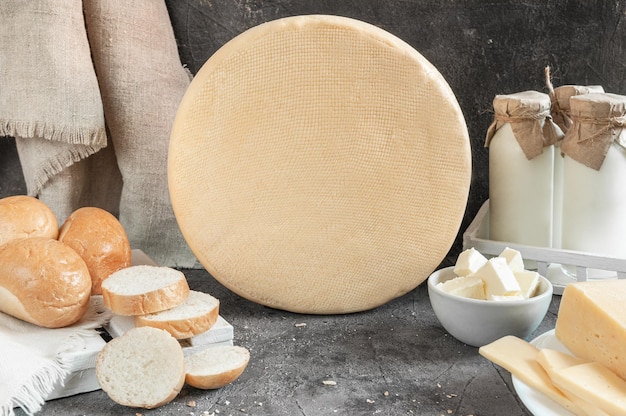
(49, 280)
(182, 328)
(214, 381)
(201, 373)
(100, 239)
(148, 302)
(23, 216)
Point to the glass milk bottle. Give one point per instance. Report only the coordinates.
(521, 164)
(594, 169)
(561, 114)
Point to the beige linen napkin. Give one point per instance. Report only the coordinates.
(34, 359)
(49, 96)
(60, 105)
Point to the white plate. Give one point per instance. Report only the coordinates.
(538, 403)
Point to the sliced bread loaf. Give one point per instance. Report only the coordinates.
(143, 289)
(216, 367)
(194, 316)
(144, 368)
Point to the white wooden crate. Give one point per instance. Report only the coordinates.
(549, 261)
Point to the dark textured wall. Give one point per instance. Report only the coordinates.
(481, 48)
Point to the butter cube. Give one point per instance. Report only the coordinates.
(528, 282)
(498, 278)
(465, 286)
(499, 298)
(468, 262)
(513, 259)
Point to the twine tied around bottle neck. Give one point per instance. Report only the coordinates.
(590, 138)
(559, 115)
(530, 121)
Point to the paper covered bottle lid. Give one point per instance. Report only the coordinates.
(599, 120)
(319, 164)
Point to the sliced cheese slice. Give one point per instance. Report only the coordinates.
(595, 384)
(553, 361)
(520, 359)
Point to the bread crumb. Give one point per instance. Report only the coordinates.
(300, 324)
(329, 383)
(191, 403)
(386, 394)
(370, 401)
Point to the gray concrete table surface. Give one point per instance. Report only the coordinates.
(392, 360)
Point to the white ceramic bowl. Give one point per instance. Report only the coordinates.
(479, 322)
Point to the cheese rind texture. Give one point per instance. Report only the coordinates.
(591, 322)
(319, 164)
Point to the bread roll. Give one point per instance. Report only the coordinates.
(24, 216)
(196, 315)
(43, 281)
(100, 239)
(143, 289)
(145, 368)
(216, 367)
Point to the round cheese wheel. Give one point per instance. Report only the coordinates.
(319, 164)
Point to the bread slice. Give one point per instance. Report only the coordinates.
(194, 316)
(144, 368)
(216, 367)
(143, 289)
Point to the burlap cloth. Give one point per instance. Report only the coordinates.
(89, 90)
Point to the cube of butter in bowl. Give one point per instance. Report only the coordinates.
(480, 307)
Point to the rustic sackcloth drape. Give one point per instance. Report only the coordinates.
(89, 90)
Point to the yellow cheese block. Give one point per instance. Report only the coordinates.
(595, 384)
(319, 164)
(520, 359)
(591, 322)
